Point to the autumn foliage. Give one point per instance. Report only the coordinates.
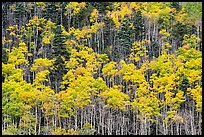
(72, 68)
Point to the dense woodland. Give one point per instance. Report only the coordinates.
(102, 68)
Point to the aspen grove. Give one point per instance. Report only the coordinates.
(102, 68)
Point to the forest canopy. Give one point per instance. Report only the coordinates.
(102, 68)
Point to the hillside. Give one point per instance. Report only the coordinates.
(102, 68)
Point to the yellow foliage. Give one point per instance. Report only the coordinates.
(75, 7)
(110, 69)
(72, 63)
(164, 33)
(127, 71)
(94, 15)
(96, 26)
(41, 76)
(70, 132)
(115, 98)
(41, 64)
(12, 34)
(17, 55)
(182, 16)
(120, 10)
(41, 4)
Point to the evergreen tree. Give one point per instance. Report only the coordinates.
(107, 42)
(62, 18)
(5, 21)
(179, 30)
(184, 85)
(124, 40)
(139, 28)
(89, 84)
(4, 56)
(59, 67)
(176, 5)
(51, 12)
(59, 45)
(102, 7)
(60, 52)
(19, 12)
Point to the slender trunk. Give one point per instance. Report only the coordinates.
(172, 132)
(99, 122)
(103, 120)
(122, 126)
(177, 128)
(75, 121)
(60, 125)
(145, 126)
(156, 132)
(102, 37)
(164, 128)
(81, 117)
(109, 117)
(29, 131)
(91, 115)
(39, 125)
(200, 123)
(134, 125)
(149, 130)
(36, 118)
(192, 119)
(98, 44)
(94, 113)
